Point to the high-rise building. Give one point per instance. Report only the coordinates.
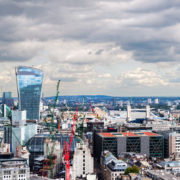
(18, 118)
(7, 98)
(83, 163)
(29, 83)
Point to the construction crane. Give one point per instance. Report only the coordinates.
(67, 147)
(80, 128)
(92, 109)
(51, 126)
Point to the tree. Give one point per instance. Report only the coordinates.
(133, 169)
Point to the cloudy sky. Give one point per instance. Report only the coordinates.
(112, 47)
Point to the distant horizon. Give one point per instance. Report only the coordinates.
(107, 96)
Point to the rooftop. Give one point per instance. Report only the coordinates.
(129, 134)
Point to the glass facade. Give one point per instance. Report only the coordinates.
(133, 144)
(29, 82)
(35, 145)
(156, 146)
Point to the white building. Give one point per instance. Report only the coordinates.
(14, 169)
(18, 118)
(83, 162)
(174, 143)
(111, 166)
(156, 101)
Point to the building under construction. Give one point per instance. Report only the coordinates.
(36, 146)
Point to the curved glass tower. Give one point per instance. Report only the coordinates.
(29, 83)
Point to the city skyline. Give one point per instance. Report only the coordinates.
(118, 48)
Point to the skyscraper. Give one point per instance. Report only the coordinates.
(29, 84)
(7, 99)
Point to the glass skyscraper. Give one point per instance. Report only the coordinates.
(29, 83)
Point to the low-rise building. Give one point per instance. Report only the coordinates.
(111, 166)
(14, 169)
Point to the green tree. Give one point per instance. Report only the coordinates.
(133, 169)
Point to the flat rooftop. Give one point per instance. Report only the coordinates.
(128, 134)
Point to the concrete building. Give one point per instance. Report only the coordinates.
(128, 112)
(147, 143)
(111, 166)
(14, 169)
(18, 118)
(83, 162)
(156, 101)
(174, 143)
(160, 175)
(171, 144)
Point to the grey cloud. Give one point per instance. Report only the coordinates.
(133, 25)
(65, 79)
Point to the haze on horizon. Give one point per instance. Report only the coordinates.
(111, 47)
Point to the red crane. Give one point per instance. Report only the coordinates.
(92, 109)
(67, 148)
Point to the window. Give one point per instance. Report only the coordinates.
(7, 172)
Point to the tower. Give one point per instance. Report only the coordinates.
(147, 112)
(128, 112)
(29, 86)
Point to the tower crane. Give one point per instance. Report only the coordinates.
(67, 147)
(92, 109)
(51, 128)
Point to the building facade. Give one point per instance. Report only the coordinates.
(29, 83)
(18, 118)
(173, 143)
(14, 169)
(111, 166)
(7, 99)
(21, 134)
(148, 143)
(83, 163)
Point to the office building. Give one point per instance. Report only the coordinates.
(7, 99)
(29, 82)
(18, 118)
(14, 168)
(83, 163)
(171, 144)
(21, 134)
(174, 143)
(147, 143)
